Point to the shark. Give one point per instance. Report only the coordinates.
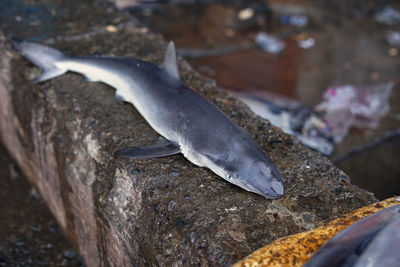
(187, 122)
(372, 241)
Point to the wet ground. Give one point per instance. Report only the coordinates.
(29, 235)
(350, 49)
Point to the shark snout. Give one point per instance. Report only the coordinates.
(277, 188)
(272, 189)
(269, 183)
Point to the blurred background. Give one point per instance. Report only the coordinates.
(326, 71)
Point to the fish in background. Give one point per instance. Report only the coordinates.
(292, 118)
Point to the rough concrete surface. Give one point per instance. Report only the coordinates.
(63, 133)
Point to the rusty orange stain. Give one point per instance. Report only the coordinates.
(295, 250)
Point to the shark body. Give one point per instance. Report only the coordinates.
(372, 241)
(190, 124)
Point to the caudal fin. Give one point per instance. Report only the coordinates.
(42, 56)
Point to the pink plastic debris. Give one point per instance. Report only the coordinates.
(349, 106)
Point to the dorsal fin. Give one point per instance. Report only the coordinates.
(170, 64)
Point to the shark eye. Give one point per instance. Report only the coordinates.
(229, 176)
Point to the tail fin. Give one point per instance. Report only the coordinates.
(42, 56)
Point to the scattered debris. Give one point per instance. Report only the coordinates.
(304, 40)
(350, 106)
(393, 51)
(295, 20)
(69, 254)
(388, 15)
(393, 38)
(269, 43)
(246, 13)
(375, 76)
(111, 28)
(14, 174)
(307, 43)
(33, 194)
(229, 32)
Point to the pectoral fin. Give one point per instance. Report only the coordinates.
(160, 149)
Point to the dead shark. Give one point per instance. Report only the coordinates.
(372, 241)
(190, 124)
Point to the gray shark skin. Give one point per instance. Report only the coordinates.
(190, 124)
(384, 248)
(348, 247)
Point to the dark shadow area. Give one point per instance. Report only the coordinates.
(29, 235)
